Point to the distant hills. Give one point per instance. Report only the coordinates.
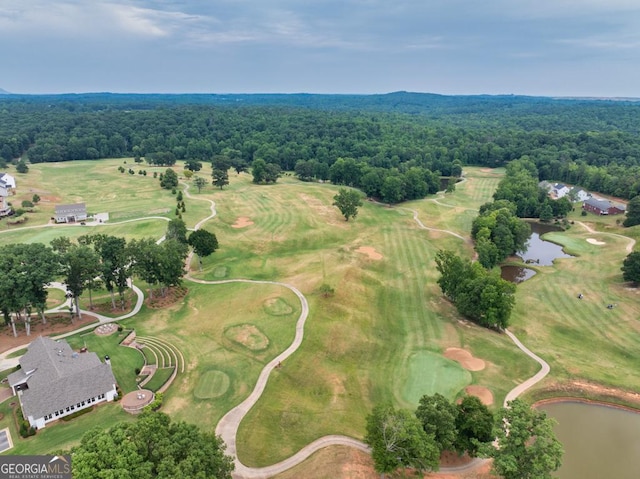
(4, 92)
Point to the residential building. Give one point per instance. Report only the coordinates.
(71, 213)
(55, 381)
(8, 180)
(5, 209)
(600, 206)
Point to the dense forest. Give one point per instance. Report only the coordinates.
(591, 143)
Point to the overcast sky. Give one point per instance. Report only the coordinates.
(531, 47)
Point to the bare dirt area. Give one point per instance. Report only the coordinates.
(242, 222)
(370, 252)
(465, 358)
(172, 296)
(578, 389)
(595, 242)
(56, 324)
(482, 393)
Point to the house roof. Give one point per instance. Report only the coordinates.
(72, 209)
(58, 377)
(601, 204)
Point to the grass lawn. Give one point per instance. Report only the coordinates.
(61, 435)
(380, 337)
(160, 377)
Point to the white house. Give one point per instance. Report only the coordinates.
(55, 381)
(8, 180)
(577, 194)
(560, 190)
(71, 213)
(5, 209)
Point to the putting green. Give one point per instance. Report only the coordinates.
(277, 307)
(220, 272)
(430, 373)
(249, 336)
(212, 384)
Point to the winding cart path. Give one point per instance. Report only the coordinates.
(228, 426)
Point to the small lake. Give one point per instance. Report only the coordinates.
(539, 251)
(599, 441)
(516, 274)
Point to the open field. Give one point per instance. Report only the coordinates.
(381, 336)
(103, 189)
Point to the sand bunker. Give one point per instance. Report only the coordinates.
(370, 252)
(242, 222)
(465, 358)
(595, 241)
(481, 393)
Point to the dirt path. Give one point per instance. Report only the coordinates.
(228, 426)
(630, 244)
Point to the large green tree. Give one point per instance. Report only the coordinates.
(480, 295)
(80, 266)
(474, 423)
(397, 439)
(348, 201)
(526, 447)
(203, 243)
(177, 230)
(438, 417)
(220, 178)
(151, 447)
(631, 267)
(169, 179)
(633, 212)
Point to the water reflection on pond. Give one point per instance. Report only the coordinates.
(539, 251)
(599, 441)
(516, 274)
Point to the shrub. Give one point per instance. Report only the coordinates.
(76, 414)
(584, 213)
(120, 328)
(156, 404)
(27, 204)
(137, 371)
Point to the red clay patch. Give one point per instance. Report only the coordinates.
(242, 222)
(465, 358)
(482, 393)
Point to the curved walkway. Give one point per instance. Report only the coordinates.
(228, 426)
(630, 244)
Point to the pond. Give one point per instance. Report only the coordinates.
(539, 251)
(599, 441)
(516, 274)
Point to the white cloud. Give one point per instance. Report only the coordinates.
(79, 19)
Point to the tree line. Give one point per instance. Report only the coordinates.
(93, 261)
(525, 444)
(591, 144)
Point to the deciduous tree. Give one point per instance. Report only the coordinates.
(348, 201)
(203, 243)
(397, 439)
(527, 447)
(438, 417)
(151, 447)
(631, 267)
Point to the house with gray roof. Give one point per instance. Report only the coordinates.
(71, 213)
(55, 381)
(8, 180)
(600, 206)
(5, 190)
